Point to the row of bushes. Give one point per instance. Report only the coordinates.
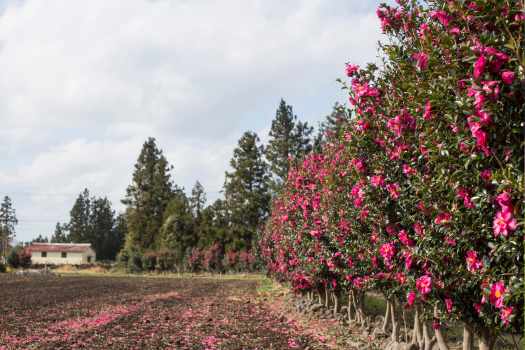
(420, 195)
(211, 259)
(17, 258)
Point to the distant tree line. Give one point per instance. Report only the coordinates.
(162, 227)
(168, 229)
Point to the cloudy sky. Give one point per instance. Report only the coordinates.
(84, 83)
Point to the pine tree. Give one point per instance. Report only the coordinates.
(60, 235)
(197, 200)
(102, 222)
(118, 235)
(40, 239)
(246, 191)
(92, 220)
(288, 139)
(332, 127)
(147, 197)
(178, 230)
(80, 216)
(8, 221)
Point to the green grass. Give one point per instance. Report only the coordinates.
(265, 285)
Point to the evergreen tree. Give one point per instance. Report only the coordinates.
(214, 225)
(40, 239)
(80, 216)
(118, 235)
(147, 197)
(8, 221)
(177, 232)
(246, 191)
(92, 220)
(102, 222)
(332, 127)
(198, 199)
(288, 139)
(197, 205)
(60, 235)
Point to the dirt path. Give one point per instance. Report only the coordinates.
(143, 313)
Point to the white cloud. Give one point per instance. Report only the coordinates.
(84, 83)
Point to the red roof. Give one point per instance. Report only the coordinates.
(59, 247)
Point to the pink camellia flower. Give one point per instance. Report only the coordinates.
(498, 60)
(491, 88)
(448, 304)
(443, 218)
(292, 344)
(481, 141)
(393, 189)
(441, 16)
(316, 234)
(421, 59)
(455, 31)
(411, 298)
(486, 175)
(497, 292)
(419, 229)
(484, 117)
(362, 125)
(377, 181)
(473, 264)
(423, 30)
(387, 251)
(403, 237)
(408, 260)
(408, 170)
(463, 147)
(424, 284)
(330, 264)
(359, 165)
(479, 67)
(358, 202)
(351, 69)
(504, 223)
(390, 229)
(505, 314)
(504, 200)
(450, 241)
(464, 194)
(427, 114)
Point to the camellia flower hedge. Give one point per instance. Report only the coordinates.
(420, 198)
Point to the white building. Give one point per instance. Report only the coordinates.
(61, 253)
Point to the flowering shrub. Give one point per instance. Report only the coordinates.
(195, 260)
(230, 259)
(246, 261)
(212, 258)
(422, 195)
